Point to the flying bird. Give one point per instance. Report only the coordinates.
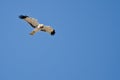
(37, 26)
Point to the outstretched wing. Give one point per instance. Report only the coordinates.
(48, 29)
(33, 22)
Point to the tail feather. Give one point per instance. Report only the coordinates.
(22, 16)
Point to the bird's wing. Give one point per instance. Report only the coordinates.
(48, 29)
(35, 30)
(33, 22)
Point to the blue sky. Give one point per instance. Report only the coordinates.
(86, 45)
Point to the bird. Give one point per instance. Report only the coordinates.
(37, 26)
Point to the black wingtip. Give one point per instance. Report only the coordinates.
(22, 16)
(53, 32)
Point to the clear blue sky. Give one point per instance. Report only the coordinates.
(86, 45)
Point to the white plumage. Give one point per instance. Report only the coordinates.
(38, 27)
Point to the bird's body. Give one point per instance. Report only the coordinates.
(38, 27)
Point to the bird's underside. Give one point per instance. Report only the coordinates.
(37, 27)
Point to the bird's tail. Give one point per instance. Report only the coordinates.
(35, 30)
(22, 16)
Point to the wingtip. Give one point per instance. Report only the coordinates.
(53, 32)
(23, 16)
